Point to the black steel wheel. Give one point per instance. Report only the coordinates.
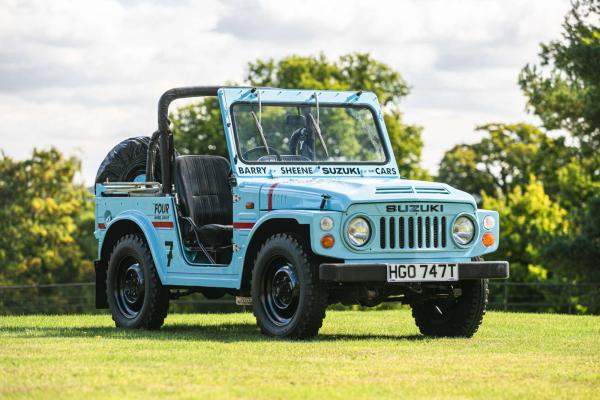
(287, 298)
(280, 292)
(129, 288)
(135, 295)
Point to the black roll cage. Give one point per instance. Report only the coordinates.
(163, 137)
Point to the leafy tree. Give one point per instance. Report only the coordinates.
(198, 127)
(529, 221)
(462, 168)
(563, 89)
(47, 221)
(505, 158)
(576, 187)
(576, 257)
(350, 72)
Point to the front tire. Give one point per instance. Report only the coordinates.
(136, 297)
(288, 300)
(454, 317)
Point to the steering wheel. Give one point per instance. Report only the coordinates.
(305, 151)
(263, 149)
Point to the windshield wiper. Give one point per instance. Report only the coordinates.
(317, 129)
(259, 128)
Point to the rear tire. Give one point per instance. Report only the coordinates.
(288, 300)
(136, 297)
(126, 162)
(454, 317)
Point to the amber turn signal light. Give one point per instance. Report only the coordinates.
(327, 241)
(487, 239)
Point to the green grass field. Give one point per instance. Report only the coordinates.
(375, 354)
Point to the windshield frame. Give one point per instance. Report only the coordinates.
(382, 138)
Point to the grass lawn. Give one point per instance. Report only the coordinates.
(377, 354)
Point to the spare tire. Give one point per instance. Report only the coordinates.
(126, 162)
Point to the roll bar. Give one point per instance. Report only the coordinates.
(163, 137)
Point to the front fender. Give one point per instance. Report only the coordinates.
(300, 216)
(479, 249)
(303, 217)
(145, 226)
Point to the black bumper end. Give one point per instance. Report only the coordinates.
(378, 272)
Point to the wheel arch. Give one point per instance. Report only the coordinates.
(259, 235)
(115, 231)
(127, 224)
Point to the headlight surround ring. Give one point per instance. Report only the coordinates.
(464, 227)
(358, 231)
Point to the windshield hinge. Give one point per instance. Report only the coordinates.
(324, 199)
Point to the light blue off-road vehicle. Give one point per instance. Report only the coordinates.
(309, 210)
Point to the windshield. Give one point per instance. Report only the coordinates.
(305, 133)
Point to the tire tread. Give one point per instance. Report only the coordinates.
(312, 315)
(466, 318)
(158, 307)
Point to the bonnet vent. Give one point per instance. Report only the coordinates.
(410, 189)
(431, 190)
(394, 190)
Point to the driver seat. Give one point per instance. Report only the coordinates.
(202, 184)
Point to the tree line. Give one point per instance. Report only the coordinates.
(543, 180)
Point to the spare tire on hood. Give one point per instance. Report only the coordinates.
(126, 162)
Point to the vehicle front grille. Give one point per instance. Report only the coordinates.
(413, 232)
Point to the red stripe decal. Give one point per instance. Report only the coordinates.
(270, 197)
(101, 226)
(243, 225)
(163, 224)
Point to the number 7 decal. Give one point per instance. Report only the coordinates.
(169, 244)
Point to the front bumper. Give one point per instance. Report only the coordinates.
(378, 272)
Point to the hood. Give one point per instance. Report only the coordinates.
(308, 193)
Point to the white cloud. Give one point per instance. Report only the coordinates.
(82, 75)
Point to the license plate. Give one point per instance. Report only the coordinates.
(422, 272)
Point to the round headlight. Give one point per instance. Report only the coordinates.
(463, 230)
(359, 231)
(489, 222)
(326, 223)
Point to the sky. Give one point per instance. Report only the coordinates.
(84, 75)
